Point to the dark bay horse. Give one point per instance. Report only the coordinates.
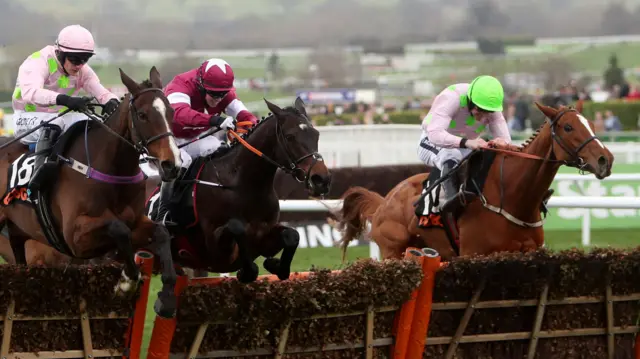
(93, 203)
(504, 216)
(235, 205)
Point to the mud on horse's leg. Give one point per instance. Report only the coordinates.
(288, 239)
(131, 273)
(165, 305)
(235, 231)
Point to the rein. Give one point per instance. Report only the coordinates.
(291, 167)
(140, 146)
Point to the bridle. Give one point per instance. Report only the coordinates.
(142, 144)
(576, 161)
(292, 166)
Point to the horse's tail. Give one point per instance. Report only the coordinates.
(358, 206)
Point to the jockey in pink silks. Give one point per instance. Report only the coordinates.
(48, 83)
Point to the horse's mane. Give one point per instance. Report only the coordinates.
(234, 143)
(528, 141)
(535, 134)
(289, 109)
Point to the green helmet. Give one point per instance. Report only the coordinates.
(486, 92)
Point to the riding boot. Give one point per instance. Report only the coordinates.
(42, 168)
(454, 198)
(166, 193)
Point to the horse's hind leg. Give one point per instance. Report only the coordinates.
(235, 231)
(285, 238)
(131, 273)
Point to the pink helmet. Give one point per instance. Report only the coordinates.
(75, 38)
(215, 75)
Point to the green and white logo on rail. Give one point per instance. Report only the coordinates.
(571, 218)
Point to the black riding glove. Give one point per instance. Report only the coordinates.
(110, 106)
(73, 103)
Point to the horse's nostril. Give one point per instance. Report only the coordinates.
(167, 166)
(602, 161)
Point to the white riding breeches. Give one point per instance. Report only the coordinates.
(203, 147)
(434, 156)
(24, 121)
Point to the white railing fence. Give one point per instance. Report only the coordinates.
(554, 202)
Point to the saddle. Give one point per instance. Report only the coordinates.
(472, 173)
(182, 205)
(20, 172)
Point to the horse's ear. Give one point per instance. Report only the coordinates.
(129, 83)
(273, 108)
(579, 105)
(548, 111)
(154, 77)
(299, 105)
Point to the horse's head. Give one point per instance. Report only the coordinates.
(297, 150)
(150, 119)
(575, 142)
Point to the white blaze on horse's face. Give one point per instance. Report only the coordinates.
(303, 126)
(585, 123)
(159, 105)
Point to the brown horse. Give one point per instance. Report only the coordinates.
(230, 215)
(94, 202)
(504, 216)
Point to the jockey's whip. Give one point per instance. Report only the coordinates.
(206, 133)
(42, 124)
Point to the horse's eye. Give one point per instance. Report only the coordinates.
(142, 116)
(290, 137)
(568, 128)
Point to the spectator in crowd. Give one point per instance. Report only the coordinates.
(612, 122)
(634, 93)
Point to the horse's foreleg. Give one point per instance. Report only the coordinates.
(285, 238)
(131, 274)
(235, 231)
(165, 305)
(160, 245)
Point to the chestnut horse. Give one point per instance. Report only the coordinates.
(93, 201)
(504, 216)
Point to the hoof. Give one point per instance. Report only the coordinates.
(248, 276)
(273, 266)
(165, 305)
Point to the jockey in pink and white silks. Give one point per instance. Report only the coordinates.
(459, 115)
(47, 84)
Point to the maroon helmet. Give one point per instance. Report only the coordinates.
(215, 75)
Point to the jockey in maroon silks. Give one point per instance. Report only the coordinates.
(199, 97)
